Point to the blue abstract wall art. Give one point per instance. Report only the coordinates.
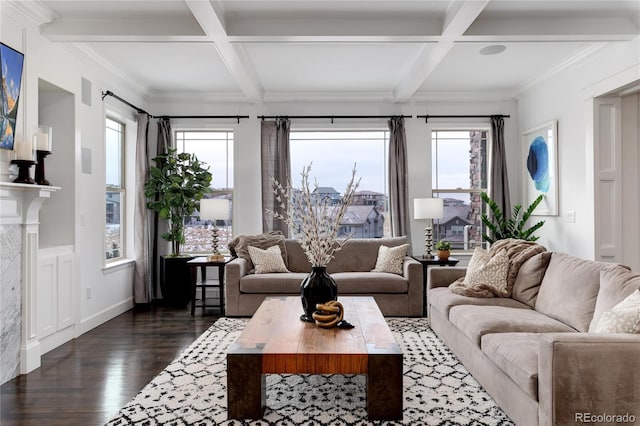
(540, 171)
(538, 164)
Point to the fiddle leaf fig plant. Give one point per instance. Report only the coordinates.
(500, 228)
(174, 190)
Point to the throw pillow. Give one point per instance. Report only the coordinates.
(267, 261)
(488, 271)
(622, 318)
(240, 245)
(391, 259)
(479, 257)
(616, 283)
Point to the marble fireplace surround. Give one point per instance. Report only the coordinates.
(19, 230)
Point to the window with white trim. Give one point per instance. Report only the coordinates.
(459, 174)
(214, 147)
(332, 154)
(115, 190)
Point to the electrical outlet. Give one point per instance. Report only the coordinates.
(571, 216)
(88, 292)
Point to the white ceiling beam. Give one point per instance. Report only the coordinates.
(458, 17)
(176, 26)
(233, 56)
(172, 38)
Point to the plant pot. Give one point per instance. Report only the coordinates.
(444, 254)
(175, 280)
(317, 287)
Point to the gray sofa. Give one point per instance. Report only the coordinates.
(534, 352)
(396, 295)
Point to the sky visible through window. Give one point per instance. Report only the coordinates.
(214, 148)
(451, 170)
(334, 154)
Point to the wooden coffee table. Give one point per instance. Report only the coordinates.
(275, 341)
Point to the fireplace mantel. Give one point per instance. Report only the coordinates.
(20, 203)
(19, 218)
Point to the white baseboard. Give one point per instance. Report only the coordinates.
(30, 357)
(56, 339)
(105, 315)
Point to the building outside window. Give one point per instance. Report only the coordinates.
(332, 155)
(459, 175)
(214, 147)
(115, 190)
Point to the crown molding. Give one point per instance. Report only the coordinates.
(341, 96)
(483, 96)
(35, 11)
(87, 52)
(158, 96)
(571, 60)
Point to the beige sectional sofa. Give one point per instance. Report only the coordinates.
(396, 295)
(536, 352)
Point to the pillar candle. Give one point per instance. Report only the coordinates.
(23, 149)
(42, 141)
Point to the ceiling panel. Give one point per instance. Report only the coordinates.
(561, 8)
(76, 9)
(333, 8)
(170, 66)
(331, 67)
(465, 69)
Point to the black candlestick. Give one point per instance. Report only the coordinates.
(23, 171)
(40, 179)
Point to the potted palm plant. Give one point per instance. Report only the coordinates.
(175, 187)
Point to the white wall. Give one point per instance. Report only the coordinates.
(64, 67)
(568, 98)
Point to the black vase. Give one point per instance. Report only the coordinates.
(317, 287)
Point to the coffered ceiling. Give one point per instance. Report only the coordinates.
(397, 50)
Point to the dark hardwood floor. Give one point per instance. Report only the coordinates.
(87, 380)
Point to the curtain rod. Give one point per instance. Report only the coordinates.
(140, 110)
(113, 95)
(332, 117)
(427, 117)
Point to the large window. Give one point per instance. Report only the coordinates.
(115, 190)
(333, 155)
(459, 175)
(214, 147)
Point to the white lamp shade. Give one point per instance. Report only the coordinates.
(428, 208)
(214, 209)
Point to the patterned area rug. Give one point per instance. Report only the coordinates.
(438, 390)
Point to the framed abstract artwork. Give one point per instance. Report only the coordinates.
(541, 168)
(11, 62)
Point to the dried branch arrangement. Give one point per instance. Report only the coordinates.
(315, 220)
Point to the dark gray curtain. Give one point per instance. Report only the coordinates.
(398, 178)
(499, 180)
(142, 286)
(276, 163)
(164, 142)
(165, 137)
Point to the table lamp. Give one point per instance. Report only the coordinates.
(428, 209)
(214, 209)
